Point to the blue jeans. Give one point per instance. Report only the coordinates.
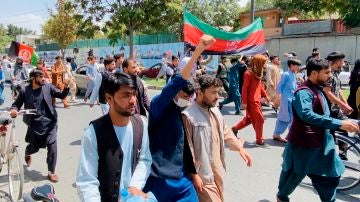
(181, 190)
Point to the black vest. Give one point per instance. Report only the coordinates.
(104, 78)
(301, 133)
(111, 155)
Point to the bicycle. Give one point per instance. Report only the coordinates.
(349, 152)
(9, 153)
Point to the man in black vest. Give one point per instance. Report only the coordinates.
(42, 127)
(99, 86)
(143, 101)
(310, 150)
(111, 159)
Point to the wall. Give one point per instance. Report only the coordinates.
(148, 55)
(348, 44)
(271, 19)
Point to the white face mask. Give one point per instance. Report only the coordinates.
(182, 102)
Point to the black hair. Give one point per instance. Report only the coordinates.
(36, 72)
(174, 57)
(316, 64)
(91, 57)
(68, 59)
(189, 89)
(117, 80)
(333, 56)
(207, 81)
(118, 56)
(125, 64)
(222, 58)
(293, 62)
(273, 57)
(315, 49)
(234, 60)
(108, 61)
(58, 57)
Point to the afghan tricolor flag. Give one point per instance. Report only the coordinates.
(249, 40)
(27, 53)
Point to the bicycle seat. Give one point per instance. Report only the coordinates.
(44, 193)
(5, 121)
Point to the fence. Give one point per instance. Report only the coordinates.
(96, 43)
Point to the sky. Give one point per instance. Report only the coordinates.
(31, 14)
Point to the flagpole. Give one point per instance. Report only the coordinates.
(252, 11)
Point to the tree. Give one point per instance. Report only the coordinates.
(4, 39)
(347, 9)
(261, 5)
(126, 17)
(62, 26)
(13, 30)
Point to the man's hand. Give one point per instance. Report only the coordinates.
(198, 183)
(349, 126)
(13, 113)
(135, 191)
(246, 156)
(205, 42)
(347, 109)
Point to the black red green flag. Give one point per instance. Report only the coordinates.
(27, 53)
(249, 40)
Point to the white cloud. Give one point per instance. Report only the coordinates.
(29, 21)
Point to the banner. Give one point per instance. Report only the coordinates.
(249, 40)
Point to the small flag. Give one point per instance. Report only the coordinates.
(27, 53)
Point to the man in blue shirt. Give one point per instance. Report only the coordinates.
(286, 88)
(91, 72)
(170, 151)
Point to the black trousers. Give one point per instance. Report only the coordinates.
(51, 154)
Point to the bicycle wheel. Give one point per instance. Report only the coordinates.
(15, 174)
(351, 177)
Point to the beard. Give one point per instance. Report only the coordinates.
(40, 83)
(209, 103)
(123, 111)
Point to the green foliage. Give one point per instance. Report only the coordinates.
(261, 5)
(126, 17)
(347, 9)
(62, 26)
(13, 30)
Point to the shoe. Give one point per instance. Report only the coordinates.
(53, 177)
(260, 142)
(67, 106)
(239, 113)
(220, 106)
(28, 160)
(85, 99)
(279, 139)
(343, 156)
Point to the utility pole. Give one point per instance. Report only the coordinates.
(252, 11)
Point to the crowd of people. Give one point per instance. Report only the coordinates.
(171, 147)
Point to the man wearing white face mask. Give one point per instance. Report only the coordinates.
(170, 150)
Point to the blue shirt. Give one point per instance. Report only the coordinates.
(91, 71)
(166, 132)
(286, 88)
(87, 182)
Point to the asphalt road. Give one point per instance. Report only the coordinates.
(258, 183)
